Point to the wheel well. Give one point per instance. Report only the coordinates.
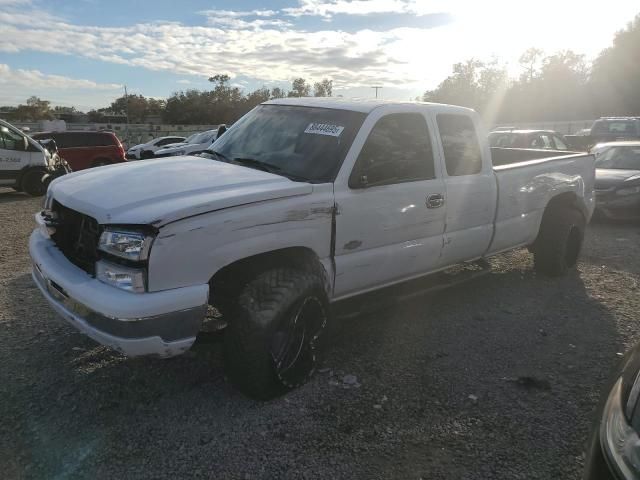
(559, 202)
(228, 280)
(26, 170)
(564, 200)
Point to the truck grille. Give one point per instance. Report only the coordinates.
(77, 236)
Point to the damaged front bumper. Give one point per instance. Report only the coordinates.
(159, 323)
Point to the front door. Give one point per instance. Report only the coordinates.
(14, 156)
(390, 218)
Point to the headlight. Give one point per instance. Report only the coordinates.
(619, 440)
(119, 276)
(132, 246)
(628, 190)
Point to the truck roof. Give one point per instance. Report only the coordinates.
(354, 104)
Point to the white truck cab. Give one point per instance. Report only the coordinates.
(301, 203)
(23, 161)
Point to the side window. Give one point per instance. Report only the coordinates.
(99, 140)
(165, 141)
(10, 140)
(560, 145)
(546, 141)
(73, 140)
(462, 154)
(397, 150)
(61, 140)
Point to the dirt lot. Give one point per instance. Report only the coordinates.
(434, 394)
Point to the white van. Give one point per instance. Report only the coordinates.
(25, 165)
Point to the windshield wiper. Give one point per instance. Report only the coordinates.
(267, 167)
(220, 156)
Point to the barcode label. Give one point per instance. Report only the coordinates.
(324, 129)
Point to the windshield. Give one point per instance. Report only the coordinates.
(305, 142)
(502, 139)
(622, 157)
(200, 137)
(616, 127)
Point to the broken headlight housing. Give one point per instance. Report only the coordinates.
(128, 245)
(125, 265)
(121, 276)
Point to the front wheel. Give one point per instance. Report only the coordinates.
(32, 183)
(270, 343)
(559, 241)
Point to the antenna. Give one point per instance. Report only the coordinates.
(376, 89)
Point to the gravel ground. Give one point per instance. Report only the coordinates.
(434, 395)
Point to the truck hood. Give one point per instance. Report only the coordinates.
(166, 190)
(612, 177)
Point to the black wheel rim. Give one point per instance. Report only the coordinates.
(293, 344)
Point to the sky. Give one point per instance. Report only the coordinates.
(81, 53)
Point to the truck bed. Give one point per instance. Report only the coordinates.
(527, 179)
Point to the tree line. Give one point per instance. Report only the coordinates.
(561, 86)
(222, 104)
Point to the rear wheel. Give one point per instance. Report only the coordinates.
(32, 182)
(274, 323)
(559, 241)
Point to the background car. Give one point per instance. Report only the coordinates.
(540, 139)
(147, 150)
(609, 129)
(614, 448)
(618, 179)
(86, 149)
(195, 143)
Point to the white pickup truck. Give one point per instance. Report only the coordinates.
(303, 202)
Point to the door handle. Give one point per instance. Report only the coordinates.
(435, 200)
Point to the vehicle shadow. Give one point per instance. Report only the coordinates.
(8, 195)
(530, 351)
(504, 373)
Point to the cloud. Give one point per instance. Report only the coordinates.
(37, 79)
(269, 46)
(184, 81)
(18, 84)
(350, 7)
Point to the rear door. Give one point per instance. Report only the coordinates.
(471, 191)
(70, 148)
(13, 155)
(391, 211)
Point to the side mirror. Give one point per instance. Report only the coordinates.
(221, 129)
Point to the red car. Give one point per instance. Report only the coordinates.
(86, 149)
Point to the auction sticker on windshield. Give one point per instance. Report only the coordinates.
(324, 129)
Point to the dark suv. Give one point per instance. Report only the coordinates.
(86, 149)
(610, 129)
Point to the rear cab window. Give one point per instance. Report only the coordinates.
(398, 149)
(462, 153)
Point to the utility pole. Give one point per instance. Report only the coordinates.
(377, 88)
(126, 104)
